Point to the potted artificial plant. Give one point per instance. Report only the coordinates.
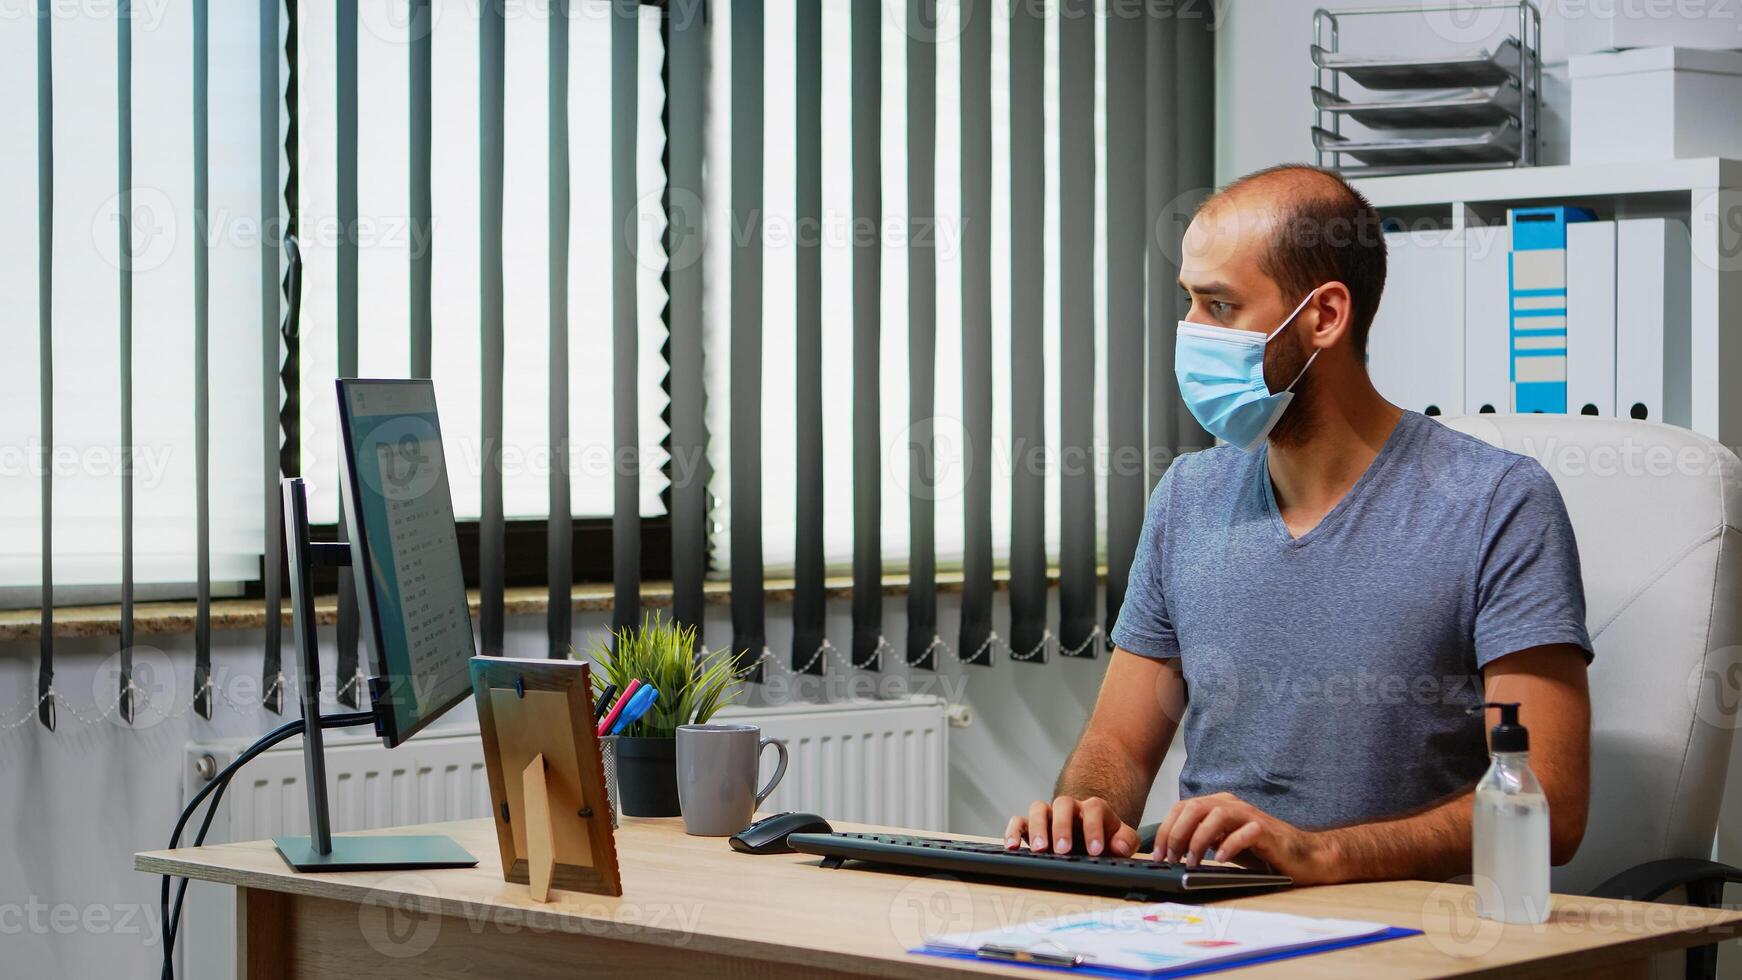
(691, 688)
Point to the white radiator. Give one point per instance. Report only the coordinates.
(882, 762)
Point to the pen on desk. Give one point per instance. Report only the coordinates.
(644, 699)
(602, 703)
(617, 709)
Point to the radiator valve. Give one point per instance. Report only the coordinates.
(960, 715)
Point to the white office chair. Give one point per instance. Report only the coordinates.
(1656, 510)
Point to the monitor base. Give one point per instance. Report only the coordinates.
(376, 853)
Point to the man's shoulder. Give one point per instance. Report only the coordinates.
(1447, 456)
(1459, 459)
(1209, 467)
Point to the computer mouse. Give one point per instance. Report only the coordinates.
(768, 835)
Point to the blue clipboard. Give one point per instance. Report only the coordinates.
(1192, 970)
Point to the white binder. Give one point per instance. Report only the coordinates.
(1653, 346)
(1415, 351)
(1591, 318)
(1487, 335)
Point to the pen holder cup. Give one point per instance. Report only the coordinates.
(608, 760)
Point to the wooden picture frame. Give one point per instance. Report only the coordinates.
(547, 780)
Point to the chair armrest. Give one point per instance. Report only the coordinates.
(1704, 881)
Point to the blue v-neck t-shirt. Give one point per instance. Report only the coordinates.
(1328, 676)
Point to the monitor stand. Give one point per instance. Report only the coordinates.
(320, 850)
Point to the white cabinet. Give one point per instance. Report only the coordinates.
(1677, 283)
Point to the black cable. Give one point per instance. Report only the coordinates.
(216, 788)
(170, 920)
(167, 931)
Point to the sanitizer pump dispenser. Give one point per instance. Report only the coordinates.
(1510, 828)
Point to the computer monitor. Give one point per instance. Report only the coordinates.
(405, 557)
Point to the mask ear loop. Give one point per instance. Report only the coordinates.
(1309, 298)
(1303, 371)
(1285, 323)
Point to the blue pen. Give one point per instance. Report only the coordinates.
(636, 707)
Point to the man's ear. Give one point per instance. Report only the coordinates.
(1334, 314)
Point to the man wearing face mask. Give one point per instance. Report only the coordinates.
(1322, 599)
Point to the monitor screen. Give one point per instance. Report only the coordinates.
(405, 556)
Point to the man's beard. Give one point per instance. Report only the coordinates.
(1296, 424)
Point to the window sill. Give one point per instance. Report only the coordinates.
(160, 618)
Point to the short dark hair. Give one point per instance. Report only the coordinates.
(1326, 231)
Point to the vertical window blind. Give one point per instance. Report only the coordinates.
(467, 244)
(962, 220)
(134, 289)
(102, 251)
(394, 243)
(904, 270)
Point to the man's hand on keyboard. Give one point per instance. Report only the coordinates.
(1067, 823)
(1234, 828)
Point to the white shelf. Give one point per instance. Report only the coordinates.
(1532, 183)
(1713, 189)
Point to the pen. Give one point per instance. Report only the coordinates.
(617, 709)
(1040, 957)
(644, 699)
(603, 702)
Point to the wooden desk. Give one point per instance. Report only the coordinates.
(693, 907)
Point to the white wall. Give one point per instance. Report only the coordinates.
(76, 804)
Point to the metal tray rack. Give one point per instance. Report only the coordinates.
(1495, 147)
(1470, 110)
(1437, 109)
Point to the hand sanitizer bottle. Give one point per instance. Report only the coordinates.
(1510, 824)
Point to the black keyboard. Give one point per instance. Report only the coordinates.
(1135, 877)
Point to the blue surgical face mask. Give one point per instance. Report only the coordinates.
(1221, 377)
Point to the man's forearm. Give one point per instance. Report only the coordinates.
(1433, 844)
(1101, 767)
